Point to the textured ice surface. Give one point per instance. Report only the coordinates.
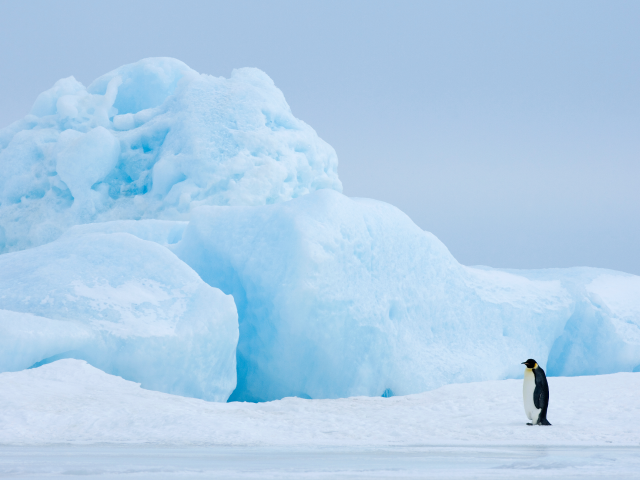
(152, 140)
(128, 306)
(339, 297)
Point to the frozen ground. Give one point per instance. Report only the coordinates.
(70, 419)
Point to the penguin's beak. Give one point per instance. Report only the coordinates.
(523, 363)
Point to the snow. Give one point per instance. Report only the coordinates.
(340, 297)
(151, 140)
(69, 401)
(126, 305)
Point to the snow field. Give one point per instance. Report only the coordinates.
(69, 401)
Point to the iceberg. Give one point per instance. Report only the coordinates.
(127, 306)
(339, 297)
(152, 140)
(188, 233)
(602, 335)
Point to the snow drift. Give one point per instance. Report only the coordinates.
(151, 140)
(69, 401)
(128, 306)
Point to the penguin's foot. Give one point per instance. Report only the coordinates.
(529, 424)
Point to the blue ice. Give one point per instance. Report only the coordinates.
(152, 140)
(339, 297)
(132, 206)
(127, 306)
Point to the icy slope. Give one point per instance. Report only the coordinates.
(70, 401)
(126, 305)
(339, 297)
(152, 140)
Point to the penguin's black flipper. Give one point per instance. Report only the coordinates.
(536, 395)
(541, 401)
(541, 395)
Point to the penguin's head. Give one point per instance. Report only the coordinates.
(531, 363)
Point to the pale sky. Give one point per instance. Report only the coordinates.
(511, 130)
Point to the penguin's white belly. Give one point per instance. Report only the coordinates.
(527, 395)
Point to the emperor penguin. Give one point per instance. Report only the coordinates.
(535, 392)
